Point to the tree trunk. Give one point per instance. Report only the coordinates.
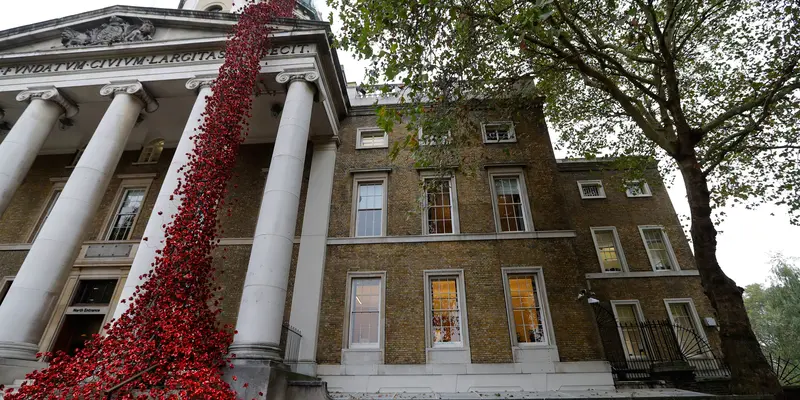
(750, 371)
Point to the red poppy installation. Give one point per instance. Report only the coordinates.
(169, 339)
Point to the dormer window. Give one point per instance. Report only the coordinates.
(498, 132)
(151, 152)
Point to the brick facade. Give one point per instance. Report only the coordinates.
(556, 206)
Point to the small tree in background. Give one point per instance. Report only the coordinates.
(774, 308)
(707, 87)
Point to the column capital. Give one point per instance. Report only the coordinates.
(326, 142)
(200, 82)
(290, 75)
(135, 89)
(50, 94)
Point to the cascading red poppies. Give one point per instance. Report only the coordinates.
(171, 328)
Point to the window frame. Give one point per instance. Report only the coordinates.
(549, 335)
(361, 131)
(346, 339)
(637, 308)
(369, 177)
(126, 184)
(442, 141)
(511, 132)
(667, 244)
(462, 307)
(602, 190)
(428, 175)
(76, 157)
(526, 206)
(617, 243)
(696, 321)
(151, 144)
(45, 211)
(5, 286)
(646, 191)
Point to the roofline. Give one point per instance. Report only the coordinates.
(166, 12)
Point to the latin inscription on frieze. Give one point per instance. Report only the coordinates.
(141, 61)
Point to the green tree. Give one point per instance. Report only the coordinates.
(774, 309)
(707, 87)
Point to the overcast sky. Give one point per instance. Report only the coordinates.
(747, 237)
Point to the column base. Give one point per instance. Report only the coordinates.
(270, 378)
(18, 350)
(256, 351)
(15, 369)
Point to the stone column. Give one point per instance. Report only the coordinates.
(264, 296)
(30, 301)
(20, 147)
(154, 231)
(307, 295)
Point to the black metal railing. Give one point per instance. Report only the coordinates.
(290, 344)
(788, 371)
(655, 349)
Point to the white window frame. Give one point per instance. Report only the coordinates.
(646, 192)
(151, 144)
(637, 309)
(361, 131)
(620, 253)
(433, 141)
(369, 177)
(125, 185)
(668, 244)
(526, 206)
(458, 274)
(511, 132)
(698, 326)
(346, 344)
(602, 190)
(544, 306)
(428, 175)
(5, 286)
(76, 157)
(57, 187)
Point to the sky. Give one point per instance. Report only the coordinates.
(747, 237)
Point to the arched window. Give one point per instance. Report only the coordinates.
(214, 9)
(152, 151)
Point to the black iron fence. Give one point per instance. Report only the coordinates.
(788, 371)
(656, 349)
(290, 344)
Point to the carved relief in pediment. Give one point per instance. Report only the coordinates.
(117, 30)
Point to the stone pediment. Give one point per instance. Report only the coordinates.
(125, 25)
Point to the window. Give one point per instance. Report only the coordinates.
(609, 251)
(5, 285)
(371, 138)
(369, 200)
(51, 202)
(498, 132)
(152, 152)
(126, 213)
(524, 303)
(214, 9)
(94, 292)
(638, 189)
(591, 189)
(629, 315)
(76, 157)
(444, 311)
(365, 313)
(512, 211)
(658, 248)
(440, 214)
(686, 324)
(430, 140)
